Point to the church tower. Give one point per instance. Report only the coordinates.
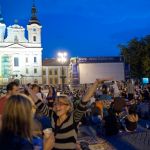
(34, 27)
(2, 27)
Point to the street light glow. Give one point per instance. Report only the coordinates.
(62, 57)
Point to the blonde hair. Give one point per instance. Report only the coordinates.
(17, 117)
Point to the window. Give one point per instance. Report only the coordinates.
(56, 80)
(50, 72)
(35, 59)
(44, 72)
(51, 80)
(27, 71)
(63, 71)
(44, 80)
(26, 59)
(34, 38)
(56, 72)
(15, 39)
(35, 70)
(16, 61)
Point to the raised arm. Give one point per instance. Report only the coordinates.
(41, 107)
(93, 88)
(81, 108)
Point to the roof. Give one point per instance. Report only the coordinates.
(34, 19)
(54, 62)
(16, 26)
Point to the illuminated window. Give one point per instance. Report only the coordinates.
(56, 80)
(35, 59)
(16, 61)
(34, 38)
(56, 72)
(35, 70)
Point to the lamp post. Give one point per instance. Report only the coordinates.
(62, 58)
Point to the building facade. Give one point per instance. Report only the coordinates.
(21, 57)
(53, 71)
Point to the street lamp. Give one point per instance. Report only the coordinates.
(62, 58)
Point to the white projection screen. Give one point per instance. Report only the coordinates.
(88, 72)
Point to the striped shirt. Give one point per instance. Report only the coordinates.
(66, 133)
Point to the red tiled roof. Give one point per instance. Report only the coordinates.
(53, 62)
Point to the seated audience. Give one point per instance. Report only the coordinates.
(111, 124)
(131, 120)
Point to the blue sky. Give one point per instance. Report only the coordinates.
(83, 27)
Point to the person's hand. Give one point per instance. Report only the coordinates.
(93, 88)
(100, 81)
(49, 141)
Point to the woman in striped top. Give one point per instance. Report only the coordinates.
(64, 119)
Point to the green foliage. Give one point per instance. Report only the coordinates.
(137, 53)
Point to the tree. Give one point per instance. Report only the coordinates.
(137, 54)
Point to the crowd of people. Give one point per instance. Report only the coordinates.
(35, 117)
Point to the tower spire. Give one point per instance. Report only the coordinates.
(33, 1)
(34, 19)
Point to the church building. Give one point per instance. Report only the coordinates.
(21, 57)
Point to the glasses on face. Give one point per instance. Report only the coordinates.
(60, 104)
